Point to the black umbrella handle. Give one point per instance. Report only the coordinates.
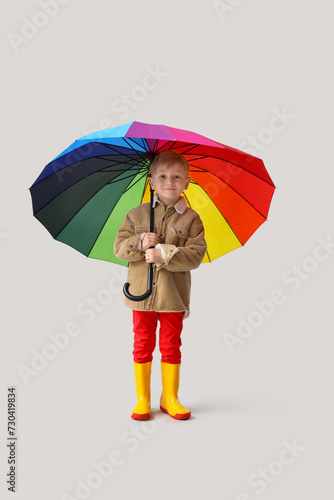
(138, 298)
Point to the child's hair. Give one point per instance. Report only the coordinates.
(168, 158)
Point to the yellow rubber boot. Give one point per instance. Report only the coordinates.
(142, 410)
(169, 402)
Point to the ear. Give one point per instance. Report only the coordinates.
(187, 183)
(150, 180)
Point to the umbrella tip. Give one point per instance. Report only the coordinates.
(150, 155)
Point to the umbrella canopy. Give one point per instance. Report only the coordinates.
(83, 195)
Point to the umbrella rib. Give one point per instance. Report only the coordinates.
(208, 255)
(131, 167)
(140, 154)
(115, 150)
(134, 168)
(132, 185)
(123, 178)
(193, 146)
(157, 150)
(106, 158)
(132, 139)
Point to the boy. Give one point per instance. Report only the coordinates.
(179, 246)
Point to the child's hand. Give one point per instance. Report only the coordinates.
(154, 256)
(150, 240)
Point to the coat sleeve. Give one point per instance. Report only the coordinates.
(190, 255)
(126, 245)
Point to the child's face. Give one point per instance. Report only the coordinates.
(169, 182)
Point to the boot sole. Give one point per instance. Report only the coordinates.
(141, 416)
(177, 416)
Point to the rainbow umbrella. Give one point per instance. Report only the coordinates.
(83, 195)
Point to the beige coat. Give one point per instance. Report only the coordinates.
(183, 246)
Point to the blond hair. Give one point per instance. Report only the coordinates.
(168, 158)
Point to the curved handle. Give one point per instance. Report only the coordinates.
(138, 298)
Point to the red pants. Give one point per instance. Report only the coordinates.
(144, 328)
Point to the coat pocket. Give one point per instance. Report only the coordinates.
(181, 232)
(178, 235)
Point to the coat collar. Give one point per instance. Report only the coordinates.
(180, 206)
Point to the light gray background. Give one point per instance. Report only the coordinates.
(225, 72)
